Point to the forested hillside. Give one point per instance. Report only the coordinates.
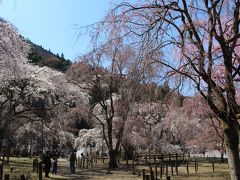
(42, 57)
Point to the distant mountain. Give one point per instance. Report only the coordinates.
(15, 64)
(37, 55)
(3, 20)
(42, 57)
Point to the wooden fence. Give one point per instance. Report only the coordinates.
(159, 165)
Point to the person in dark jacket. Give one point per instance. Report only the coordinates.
(55, 160)
(47, 163)
(73, 159)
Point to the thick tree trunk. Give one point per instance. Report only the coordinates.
(113, 163)
(231, 143)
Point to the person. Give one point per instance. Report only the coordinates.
(55, 160)
(35, 165)
(73, 158)
(47, 163)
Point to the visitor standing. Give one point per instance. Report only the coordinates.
(47, 163)
(72, 159)
(55, 161)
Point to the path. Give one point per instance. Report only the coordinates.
(99, 171)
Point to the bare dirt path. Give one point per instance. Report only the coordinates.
(99, 171)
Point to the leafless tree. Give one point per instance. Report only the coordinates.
(111, 89)
(197, 41)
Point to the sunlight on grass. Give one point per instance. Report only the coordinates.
(22, 166)
(205, 172)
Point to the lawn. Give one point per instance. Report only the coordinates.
(21, 166)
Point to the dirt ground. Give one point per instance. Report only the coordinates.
(98, 171)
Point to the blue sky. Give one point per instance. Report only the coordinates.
(51, 23)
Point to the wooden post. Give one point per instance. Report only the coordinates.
(40, 170)
(149, 161)
(168, 177)
(195, 165)
(176, 156)
(172, 168)
(167, 170)
(133, 165)
(91, 161)
(147, 177)
(162, 157)
(187, 168)
(22, 177)
(78, 161)
(84, 162)
(155, 159)
(151, 174)
(213, 166)
(143, 173)
(1, 172)
(87, 162)
(156, 175)
(6, 176)
(109, 167)
(164, 169)
(161, 170)
(176, 168)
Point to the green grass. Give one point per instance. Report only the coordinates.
(205, 172)
(23, 166)
(99, 171)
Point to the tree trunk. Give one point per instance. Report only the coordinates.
(1, 166)
(231, 143)
(113, 154)
(8, 153)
